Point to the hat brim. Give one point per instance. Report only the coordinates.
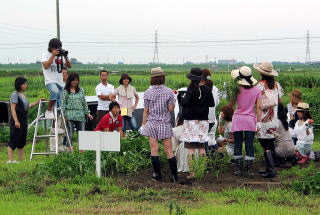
(195, 77)
(157, 75)
(273, 73)
(235, 74)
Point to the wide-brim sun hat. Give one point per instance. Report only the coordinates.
(302, 106)
(243, 76)
(155, 72)
(125, 76)
(195, 74)
(266, 68)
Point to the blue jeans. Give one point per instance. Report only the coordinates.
(70, 126)
(55, 92)
(132, 122)
(238, 138)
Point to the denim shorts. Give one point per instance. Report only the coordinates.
(55, 92)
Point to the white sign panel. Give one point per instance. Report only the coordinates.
(91, 140)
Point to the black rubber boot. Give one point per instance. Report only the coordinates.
(270, 169)
(239, 164)
(174, 170)
(155, 160)
(247, 169)
(266, 160)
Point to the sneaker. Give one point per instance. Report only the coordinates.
(14, 161)
(49, 114)
(60, 131)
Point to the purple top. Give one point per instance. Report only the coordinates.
(244, 117)
(156, 99)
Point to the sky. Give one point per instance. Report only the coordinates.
(105, 31)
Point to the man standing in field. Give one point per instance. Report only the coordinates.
(104, 91)
(53, 76)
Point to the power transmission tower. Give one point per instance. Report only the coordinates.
(155, 52)
(308, 49)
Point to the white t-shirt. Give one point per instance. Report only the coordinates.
(51, 74)
(212, 110)
(103, 90)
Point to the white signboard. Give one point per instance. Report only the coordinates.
(106, 141)
(99, 141)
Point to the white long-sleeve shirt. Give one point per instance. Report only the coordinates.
(301, 132)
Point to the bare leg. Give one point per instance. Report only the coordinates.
(168, 148)
(21, 154)
(51, 104)
(154, 146)
(202, 152)
(10, 154)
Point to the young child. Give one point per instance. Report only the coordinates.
(19, 106)
(224, 128)
(295, 98)
(111, 121)
(304, 131)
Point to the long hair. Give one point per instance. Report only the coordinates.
(208, 82)
(269, 80)
(194, 87)
(282, 116)
(306, 114)
(72, 76)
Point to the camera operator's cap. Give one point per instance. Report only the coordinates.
(102, 69)
(155, 72)
(243, 76)
(266, 68)
(302, 106)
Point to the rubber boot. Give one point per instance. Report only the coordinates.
(247, 169)
(270, 169)
(304, 159)
(239, 164)
(174, 171)
(155, 160)
(266, 160)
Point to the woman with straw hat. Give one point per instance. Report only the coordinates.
(195, 109)
(159, 101)
(271, 92)
(245, 118)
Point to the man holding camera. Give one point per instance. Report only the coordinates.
(52, 63)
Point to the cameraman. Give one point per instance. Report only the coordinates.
(52, 63)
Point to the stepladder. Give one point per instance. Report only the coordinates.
(52, 130)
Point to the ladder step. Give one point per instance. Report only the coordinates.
(44, 136)
(45, 119)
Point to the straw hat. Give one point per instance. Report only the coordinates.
(155, 72)
(266, 68)
(296, 93)
(302, 106)
(243, 75)
(195, 74)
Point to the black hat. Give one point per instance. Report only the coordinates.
(125, 76)
(195, 74)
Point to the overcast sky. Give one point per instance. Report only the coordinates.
(27, 26)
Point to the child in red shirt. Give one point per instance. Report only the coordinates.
(111, 121)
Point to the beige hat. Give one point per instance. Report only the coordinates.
(155, 72)
(266, 68)
(303, 106)
(244, 76)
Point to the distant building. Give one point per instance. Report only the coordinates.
(229, 62)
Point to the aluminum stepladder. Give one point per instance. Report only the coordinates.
(58, 114)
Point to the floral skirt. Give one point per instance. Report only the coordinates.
(195, 131)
